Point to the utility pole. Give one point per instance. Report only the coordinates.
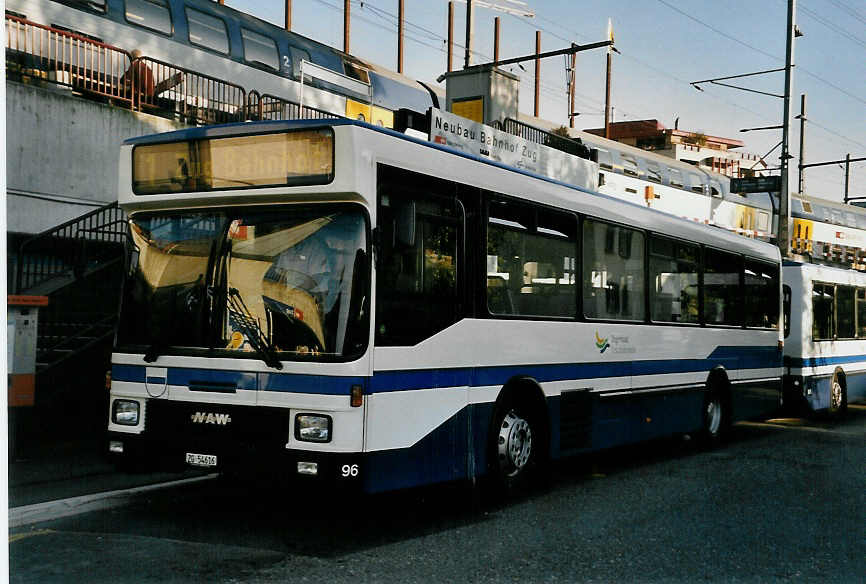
(784, 241)
(847, 176)
(537, 70)
(288, 14)
(607, 81)
(450, 35)
(496, 38)
(572, 76)
(802, 116)
(346, 26)
(400, 16)
(467, 59)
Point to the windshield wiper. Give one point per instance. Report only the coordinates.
(251, 329)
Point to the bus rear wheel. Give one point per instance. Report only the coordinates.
(716, 418)
(838, 397)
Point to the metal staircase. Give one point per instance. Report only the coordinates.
(79, 266)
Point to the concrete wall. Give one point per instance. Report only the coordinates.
(61, 154)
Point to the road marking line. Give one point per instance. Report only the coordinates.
(20, 536)
(29, 514)
(803, 428)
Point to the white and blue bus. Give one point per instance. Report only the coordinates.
(344, 303)
(825, 337)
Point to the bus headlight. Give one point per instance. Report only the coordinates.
(313, 428)
(125, 412)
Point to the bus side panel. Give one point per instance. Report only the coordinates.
(622, 420)
(440, 456)
(856, 383)
(755, 398)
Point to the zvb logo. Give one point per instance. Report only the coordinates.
(601, 343)
(210, 418)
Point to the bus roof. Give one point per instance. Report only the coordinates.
(687, 229)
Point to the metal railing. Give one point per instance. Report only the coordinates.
(572, 146)
(270, 107)
(65, 58)
(166, 89)
(71, 248)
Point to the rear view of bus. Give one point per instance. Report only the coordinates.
(245, 319)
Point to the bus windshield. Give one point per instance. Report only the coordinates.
(288, 281)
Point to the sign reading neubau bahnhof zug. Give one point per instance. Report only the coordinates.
(487, 142)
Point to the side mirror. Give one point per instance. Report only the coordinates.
(405, 228)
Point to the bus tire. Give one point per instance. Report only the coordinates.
(838, 395)
(517, 445)
(715, 416)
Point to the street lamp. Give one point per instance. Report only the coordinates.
(762, 128)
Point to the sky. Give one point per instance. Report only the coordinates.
(664, 45)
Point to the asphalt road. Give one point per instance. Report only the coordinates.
(782, 501)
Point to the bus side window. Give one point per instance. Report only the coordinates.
(722, 291)
(417, 292)
(761, 289)
(530, 261)
(823, 301)
(613, 271)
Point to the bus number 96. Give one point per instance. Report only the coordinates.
(349, 470)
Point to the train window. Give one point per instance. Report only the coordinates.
(715, 188)
(207, 31)
(260, 49)
(653, 172)
(613, 271)
(676, 177)
(763, 221)
(92, 5)
(722, 293)
(696, 184)
(356, 72)
(152, 14)
(629, 164)
(605, 160)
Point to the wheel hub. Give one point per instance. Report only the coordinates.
(714, 416)
(836, 396)
(515, 443)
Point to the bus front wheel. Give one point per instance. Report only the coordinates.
(517, 445)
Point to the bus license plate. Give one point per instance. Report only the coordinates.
(201, 459)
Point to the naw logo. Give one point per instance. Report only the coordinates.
(210, 418)
(601, 343)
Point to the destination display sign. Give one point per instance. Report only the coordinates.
(757, 184)
(487, 142)
(301, 157)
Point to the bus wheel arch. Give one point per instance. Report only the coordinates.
(838, 393)
(518, 448)
(716, 412)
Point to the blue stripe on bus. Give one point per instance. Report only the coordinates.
(319, 384)
(385, 381)
(287, 382)
(823, 361)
